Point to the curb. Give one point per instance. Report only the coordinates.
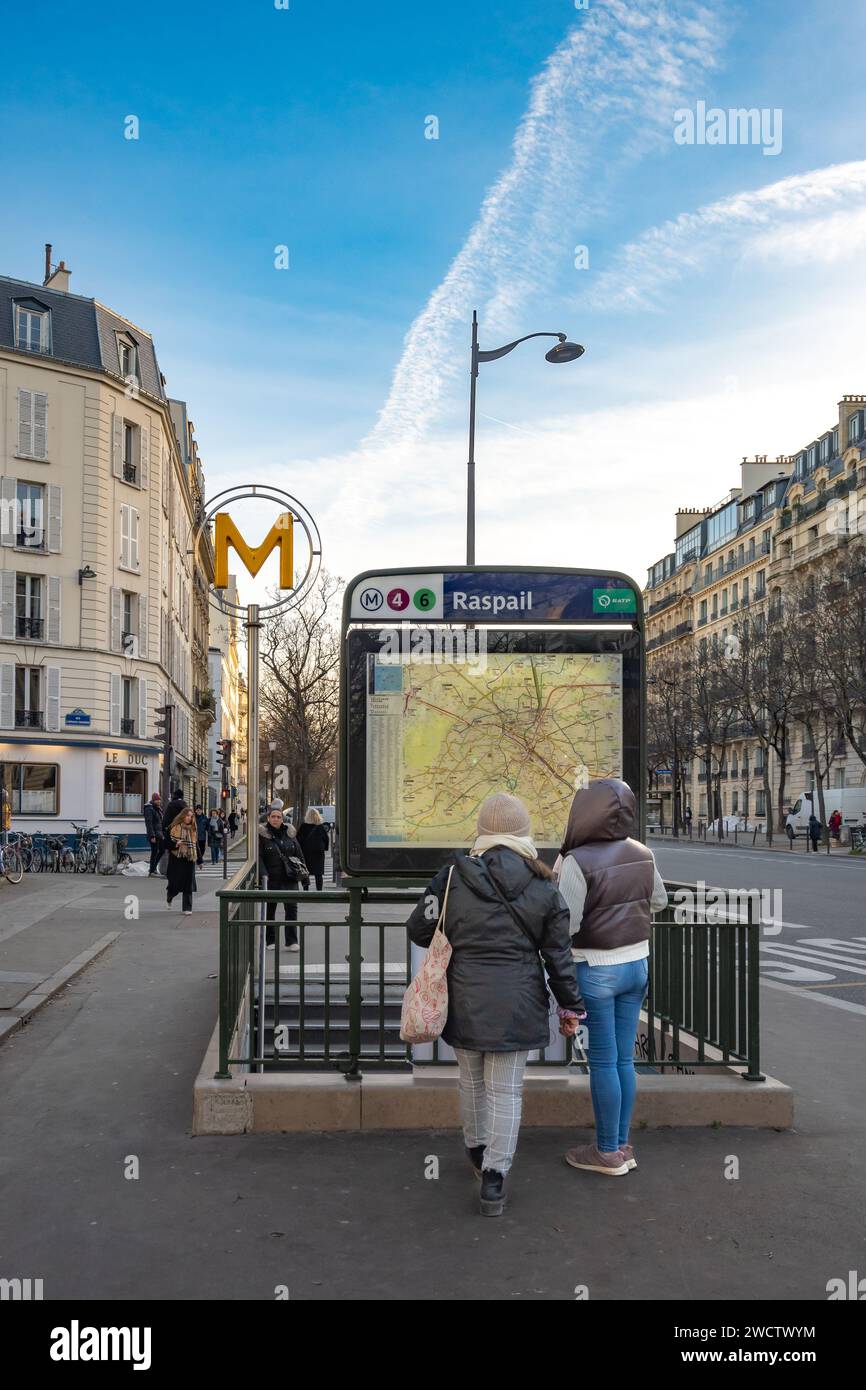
(13, 1019)
(317, 1102)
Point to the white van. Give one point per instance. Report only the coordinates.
(851, 801)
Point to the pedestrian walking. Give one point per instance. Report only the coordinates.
(504, 915)
(173, 809)
(281, 862)
(181, 860)
(815, 829)
(313, 839)
(201, 821)
(687, 816)
(611, 885)
(215, 836)
(233, 823)
(835, 823)
(153, 831)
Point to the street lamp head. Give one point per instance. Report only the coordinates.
(564, 352)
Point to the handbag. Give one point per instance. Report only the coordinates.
(294, 867)
(425, 1003)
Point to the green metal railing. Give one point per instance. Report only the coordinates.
(336, 1002)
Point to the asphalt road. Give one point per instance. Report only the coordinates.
(820, 901)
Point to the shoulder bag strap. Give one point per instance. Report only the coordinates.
(440, 925)
(522, 925)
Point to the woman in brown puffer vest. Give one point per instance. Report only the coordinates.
(611, 885)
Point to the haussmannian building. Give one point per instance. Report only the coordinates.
(729, 565)
(103, 618)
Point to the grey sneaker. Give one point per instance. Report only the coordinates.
(628, 1154)
(589, 1157)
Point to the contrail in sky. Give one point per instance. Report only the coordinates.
(605, 94)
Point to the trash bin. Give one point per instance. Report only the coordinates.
(106, 855)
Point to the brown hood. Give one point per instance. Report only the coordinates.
(605, 810)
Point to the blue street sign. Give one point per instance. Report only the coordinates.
(77, 719)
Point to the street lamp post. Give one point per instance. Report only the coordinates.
(564, 351)
(273, 749)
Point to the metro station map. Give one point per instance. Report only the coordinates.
(440, 738)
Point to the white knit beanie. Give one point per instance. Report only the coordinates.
(502, 814)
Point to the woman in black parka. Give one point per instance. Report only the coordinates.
(313, 839)
(503, 910)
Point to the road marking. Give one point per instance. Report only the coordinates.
(826, 998)
(813, 957)
(851, 984)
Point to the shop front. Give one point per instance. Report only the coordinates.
(54, 785)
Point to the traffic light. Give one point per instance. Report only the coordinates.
(163, 724)
(224, 752)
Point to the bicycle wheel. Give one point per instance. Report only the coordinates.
(68, 861)
(36, 860)
(13, 868)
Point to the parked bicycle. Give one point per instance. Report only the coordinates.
(86, 849)
(31, 857)
(11, 866)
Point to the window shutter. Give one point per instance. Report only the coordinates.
(133, 537)
(40, 425)
(53, 625)
(55, 518)
(116, 620)
(52, 698)
(7, 603)
(124, 536)
(7, 695)
(117, 445)
(165, 459)
(142, 709)
(114, 708)
(144, 453)
(8, 510)
(142, 625)
(25, 422)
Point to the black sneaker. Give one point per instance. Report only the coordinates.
(475, 1156)
(492, 1192)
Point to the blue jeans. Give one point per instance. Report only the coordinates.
(613, 995)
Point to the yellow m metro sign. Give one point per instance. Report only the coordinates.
(280, 536)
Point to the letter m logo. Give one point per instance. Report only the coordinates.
(279, 536)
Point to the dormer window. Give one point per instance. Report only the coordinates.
(825, 448)
(128, 359)
(32, 328)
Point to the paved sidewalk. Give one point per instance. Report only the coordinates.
(104, 1074)
(780, 844)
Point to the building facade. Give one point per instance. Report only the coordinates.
(224, 667)
(728, 574)
(99, 611)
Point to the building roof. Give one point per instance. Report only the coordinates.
(84, 332)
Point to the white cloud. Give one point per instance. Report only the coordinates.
(787, 217)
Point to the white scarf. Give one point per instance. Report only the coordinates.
(522, 844)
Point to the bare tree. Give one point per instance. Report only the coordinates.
(841, 638)
(300, 654)
(712, 709)
(813, 700)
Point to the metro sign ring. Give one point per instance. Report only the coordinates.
(280, 537)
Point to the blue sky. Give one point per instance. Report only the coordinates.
(733, 331)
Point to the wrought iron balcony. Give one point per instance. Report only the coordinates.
(32, 539)
(127, 726)
(130, 473)
(30, 627)
(29, 719)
